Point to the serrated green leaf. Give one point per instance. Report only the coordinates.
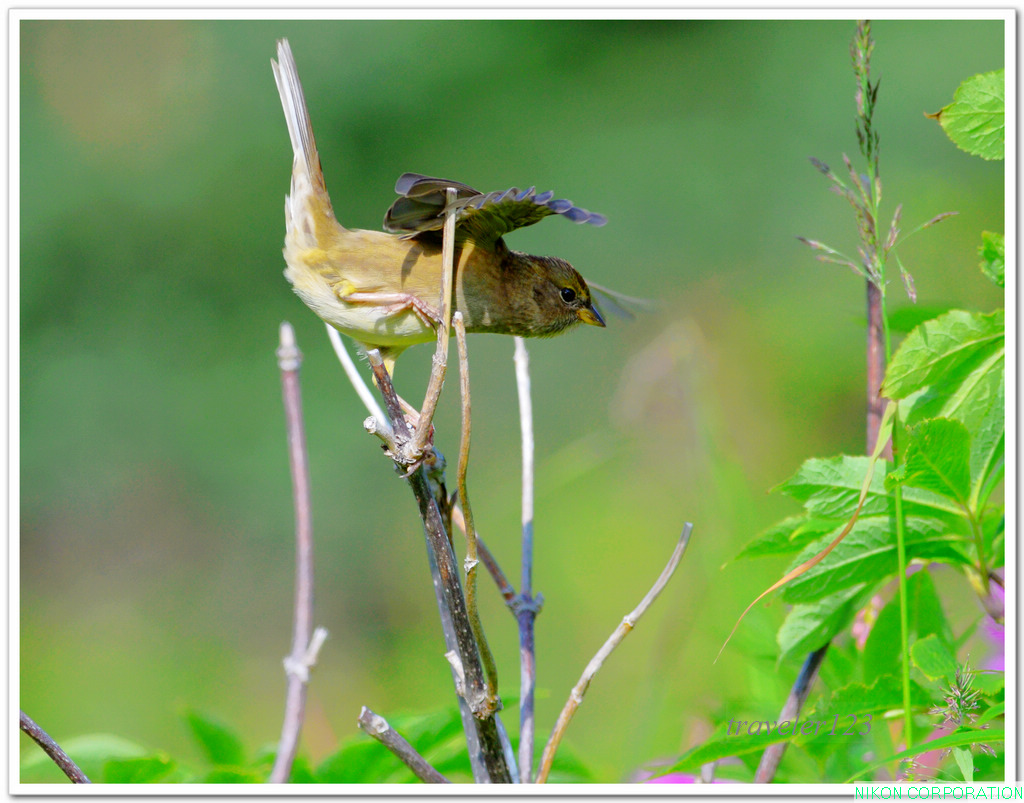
(147, 769)
(993, 257)
(933, 658)
(941, 347)
(975, 120)
(788, 536)
(868, 555)
(954, 367)
(220, 744)
(937, 459)
(989, 683)
(883, 694)
(810, 625)
(830, 487)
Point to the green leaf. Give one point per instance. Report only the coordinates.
(989, 683)
(810, 625)
(147, 769)
(960, 738)
(830, 488)
(868, 555)
(933, 658)
(724, 744)
(90, 752)
(975, 119)
(965, 761)
(220, 744)
(925, 617)
(954, 367)
(360, 760)
(788, 536)
(998, 710)
(868, 702)
(234, 775)
(993, 257)
(942, 347)
(937, 456)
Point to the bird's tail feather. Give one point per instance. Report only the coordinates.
(308, 199)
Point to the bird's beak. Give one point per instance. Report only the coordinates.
(590, 315)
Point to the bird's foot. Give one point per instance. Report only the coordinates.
(391, 303)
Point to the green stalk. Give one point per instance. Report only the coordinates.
(901, 554)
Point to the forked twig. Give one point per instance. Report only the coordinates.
(627, 624)
(52, 749)
(304, 645)
(379, 729)
(452, 605)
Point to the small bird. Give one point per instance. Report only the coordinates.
(383, 289)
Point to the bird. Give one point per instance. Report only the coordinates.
(383, 288)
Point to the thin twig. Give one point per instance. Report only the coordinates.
(772, 756)
(303, 655)
(489, 561)
(526, 608)
(383, 428)
(52, 749)
(379, 729)
(437, 374)
(471, 537)
(451, 603)
(627, 624)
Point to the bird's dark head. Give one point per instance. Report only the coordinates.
(561, 296)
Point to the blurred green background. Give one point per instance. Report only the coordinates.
(156, 518)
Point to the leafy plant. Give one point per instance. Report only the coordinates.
(938, 504)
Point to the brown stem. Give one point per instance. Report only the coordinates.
(875, 368)
(52, 749)
(380, 730)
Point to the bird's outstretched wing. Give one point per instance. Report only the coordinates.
(482, 217)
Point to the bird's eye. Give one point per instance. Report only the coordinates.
(568, 295)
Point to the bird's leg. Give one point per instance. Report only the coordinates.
(390, 303)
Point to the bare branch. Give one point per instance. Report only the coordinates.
(451, 603)
(52, 749)
(525, 608)
(379, 729)
(302, 655)
(627, 624)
